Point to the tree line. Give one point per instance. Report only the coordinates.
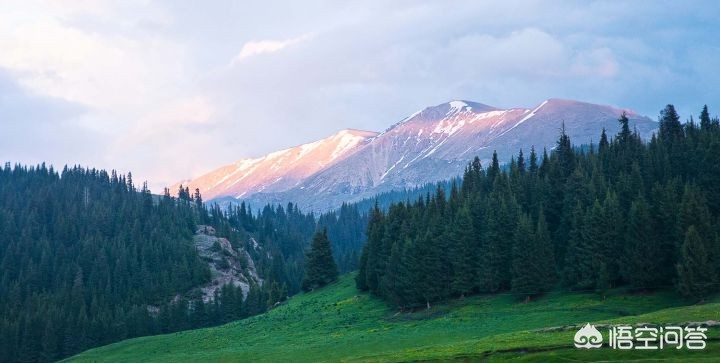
(83, 253)
(88, 258)
(624, 212)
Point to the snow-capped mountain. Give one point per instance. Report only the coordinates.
(433, 144)
(280, 170)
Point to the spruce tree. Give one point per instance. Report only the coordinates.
(429, 270)
(640, 266)
(464, 256)
(697, 276)
(533, 168)
(613, 231)
(533, 263)
(578, 270)
(604, 144)
(320, 268)
(375, 266)
(670, 127)
(705, 118)
(624, 135)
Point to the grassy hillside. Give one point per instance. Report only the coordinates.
(339, 324)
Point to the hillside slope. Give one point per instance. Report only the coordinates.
(339, 324)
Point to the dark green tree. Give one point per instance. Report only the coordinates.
(320, 268)
(697, 277)
(464, 254)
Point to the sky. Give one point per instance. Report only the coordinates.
(172, 89)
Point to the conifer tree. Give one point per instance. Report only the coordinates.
(320, 268)
(625, 134)
(464, 254)
(603, 144)
(697, 276)
(375, 258)
(670, 128)
(578, 267)
(428, 269)
(533, 168)
(640, 266)
(533, 263)
(705, 118)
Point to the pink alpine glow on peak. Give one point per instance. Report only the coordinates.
(279, 170)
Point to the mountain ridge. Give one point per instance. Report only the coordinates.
(432, 144)
(281, 169)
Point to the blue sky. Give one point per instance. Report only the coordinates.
(171, 89)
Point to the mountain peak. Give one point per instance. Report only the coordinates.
(356, 132)
(464, 105)
(458, 104)
(433, 113)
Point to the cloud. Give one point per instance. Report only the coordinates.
(170, 89)
(34, 127)
(99, 71)
(253, 48)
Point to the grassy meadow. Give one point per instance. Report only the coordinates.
(337, 323)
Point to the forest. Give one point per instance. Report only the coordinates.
(624, 212)
(87, 258)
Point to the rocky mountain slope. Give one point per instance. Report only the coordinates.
(280, 170)
(227, 264)
(433, 144)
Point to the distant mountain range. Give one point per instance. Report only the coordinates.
(433, 144)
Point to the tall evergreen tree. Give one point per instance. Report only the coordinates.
(705, 118)
(464, 255)
(533, 263)
(640, 266)
(697, 277)
(320, 268)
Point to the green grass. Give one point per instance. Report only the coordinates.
(339, 324)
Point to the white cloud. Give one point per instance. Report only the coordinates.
(92, 69)
(253, 48)
(169, 89)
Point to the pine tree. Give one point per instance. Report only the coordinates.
(670, 127)
(500, 221)
(464, 254)
(533, 168)
(604, 144)
(565, 154)
(375, 265)
(640, 266)
(578, 270)
(533, 263)
(697, 277)
(361, 277)
(624, 135)
(613, 236)
(320, 268)
(704, 118)
(428, 269)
